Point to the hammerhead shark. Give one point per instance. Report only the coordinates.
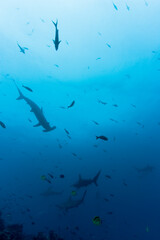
(49, 192)
(70, 203)
(38, 112)
(56, 41)
(85, 182)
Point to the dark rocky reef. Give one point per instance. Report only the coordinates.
(15, 232)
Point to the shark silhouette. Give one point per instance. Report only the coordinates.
(85, 182)
(38, 112)
(56, 41)
(70, 203)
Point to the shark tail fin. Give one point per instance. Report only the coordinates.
(96, 178)
(20, 93)
(55, 24)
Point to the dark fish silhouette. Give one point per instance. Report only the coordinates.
(85, 182)
(72, 203)
(102, 137)
(95, 122)
(38, 112)
(108, 45)
(66, 131)
(2, 124)
(29, 89)
(104, 103)
(115, 6)
(22, 49)
(71, 105)
(56, 41)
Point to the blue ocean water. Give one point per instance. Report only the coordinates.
(101, 81)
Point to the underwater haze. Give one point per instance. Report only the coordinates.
(80, 118)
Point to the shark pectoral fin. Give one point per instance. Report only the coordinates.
(50, 129)
(59, 42)
(37, 125)
(19, 98)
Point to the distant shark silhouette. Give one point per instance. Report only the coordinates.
(56, 41)
(146, 169)
(49, 192)
(85, 182)
(38, 112)
(70, 203)
(22, 49)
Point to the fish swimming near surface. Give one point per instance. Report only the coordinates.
(22, 49)
(85, 182)
(102, 138)
(49, 192)
(70, 203)
(38, 112)
(56, 41)
(2, 124)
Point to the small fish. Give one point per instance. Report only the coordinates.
(110, 213)
(56, 65)
(71, 105)
(146, 3)
(74, 154)
(95, 122)
(29, 120)
(108, 45)
(61, 175)
(112, 195)
(73, 193)
(67, 43)
(48, 180)
(108, 176)
(59, 145)
(147, 229)
(66, 131)
(97, 221)
(98, 58)
(104, 103)
(128, 8)
(113, 120)
(102, 137)
(115, 6)
(106, 199)
(29, 89)
(2, 124)
(115, 105)
(50, 175)
(43, 177)
(99, 34)
(133, 105)
(42, 20)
